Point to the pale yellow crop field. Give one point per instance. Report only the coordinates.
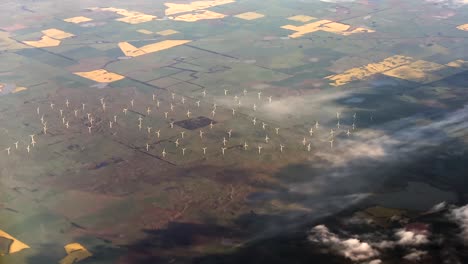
(301, 18)
(174, 8)
(52, 37)
(144, 31)
(78, 19)
(463, 27)
(368, 70)
(324, 25)
(167, 32)
(75, 253)
(402, 67)
(19, 89)
(132, 51)
(130, 17)
(16, 245)
(43, 42)
(458, 64)
(249, 16)
(57, 33)
(419, 71)
(101, 76)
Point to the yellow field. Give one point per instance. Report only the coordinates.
(301, 18)
(401, 67)
(174, 8)
(144, 31)
(305, 29)
(249, 15)
(324, 25)
(419, 71)
(16, 246)
(408, 73)
(132, 51)
(19, 89)
(130, 17)
(458, 64)
(166, 44)
(56, 33)
(101, 76)
(77, 20)
(463, 27)
(136, 19)
(75, 253)
(51, 38)
(45, 41)
(361, 73)
(167, 32)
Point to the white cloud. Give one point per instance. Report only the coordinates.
(410, 238)
(285, 111)
(405, 238)
(385, 244)
(321, 234)
(352, 248)
(438, 207)
(460, 215)
(416, 255)
(300, 107)
(403, 139)
(396, 142)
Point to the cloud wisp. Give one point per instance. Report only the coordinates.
(358, 250)
(460, 216)
(351, 248)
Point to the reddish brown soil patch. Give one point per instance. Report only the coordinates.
(76, 204)
(13, 27)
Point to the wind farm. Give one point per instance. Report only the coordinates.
(168, 119)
